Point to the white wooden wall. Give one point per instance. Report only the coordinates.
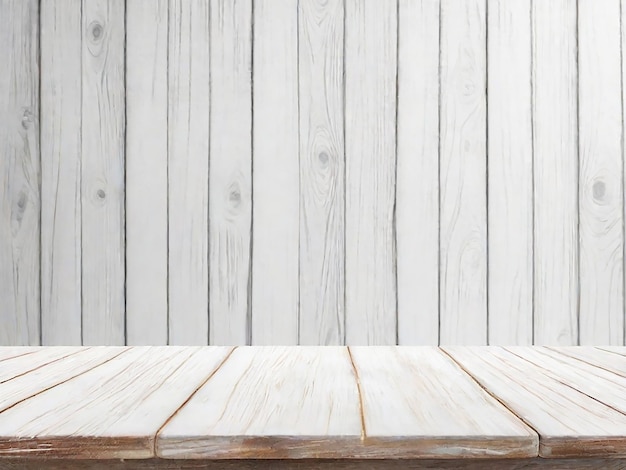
(312, 171)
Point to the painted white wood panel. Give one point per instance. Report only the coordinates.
(102, 172)
(463, 160)
(230, 174)
(510, 177)
(417, 173)
(188, 171)
(555, 141)
(146, 171)
(19, 173)
(370, 115)
(61, 108)
(322, 172)
(276, 174)
(600, 173)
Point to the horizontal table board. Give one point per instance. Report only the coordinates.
(317, 464)
(604, 386)
(596, 357)
(570, 423)
(38, 380)
(11, 368)
(111, 411)
(271, 402)
(7, 352)
(418, 403)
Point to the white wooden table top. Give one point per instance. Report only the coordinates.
(312, 402)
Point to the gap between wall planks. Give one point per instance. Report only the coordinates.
(242, 173)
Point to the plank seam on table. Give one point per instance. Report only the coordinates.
(202, 384)
(358, 386)
(63, 381)
(565, 383)
(42, 365)
(609, 350)
(564, 353)
(458, 364)
(17, 355)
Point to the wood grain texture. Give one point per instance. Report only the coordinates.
(61, 108)
(596, 357)
(600, 173)
(417, 403)
(322, 172)
(19, 174)
(7, 352)
(188, 171)
(241, 412)
(604, 386)
(555, 140)
(18, 365)
(68, 365)
(417, 172)
(121, 405)
(463, 159)
(230, 177)
(569, 423)
(510, 173)
(146, 167)
(276, 173)
(102, 172)
(370, 140)
(316, 464)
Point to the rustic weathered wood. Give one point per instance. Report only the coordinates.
(7, 352)
(600, 174)
(417, 172)
(61, 108)
(230, 177)
(146, 167)
(555, 147)
(102, 172)
(19, 173)
(111, 411)
(15, 366)
(188, 171)
(569, 423)
(316, 464)
(463, 159)
(270, 402)
(614, 349)
(596, 357)
(36, 378)
(604, 386)
(370, 113)
(276, 173)
(510, 177)
(322, 172)
(418, 403)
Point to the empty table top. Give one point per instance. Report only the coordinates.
(305, 402)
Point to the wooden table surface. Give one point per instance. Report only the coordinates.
(197, 404)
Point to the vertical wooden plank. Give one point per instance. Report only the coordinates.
(600, 175)
(146, 171)
(510, 178)
(188, 163)
(555, 172)
(230, 178)
(61, 52)
(417, 185)
(322, 172)
(463, 268)
(623, 78)
(276, 209)
(370, 71)
(19, 173)
(102, 175)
